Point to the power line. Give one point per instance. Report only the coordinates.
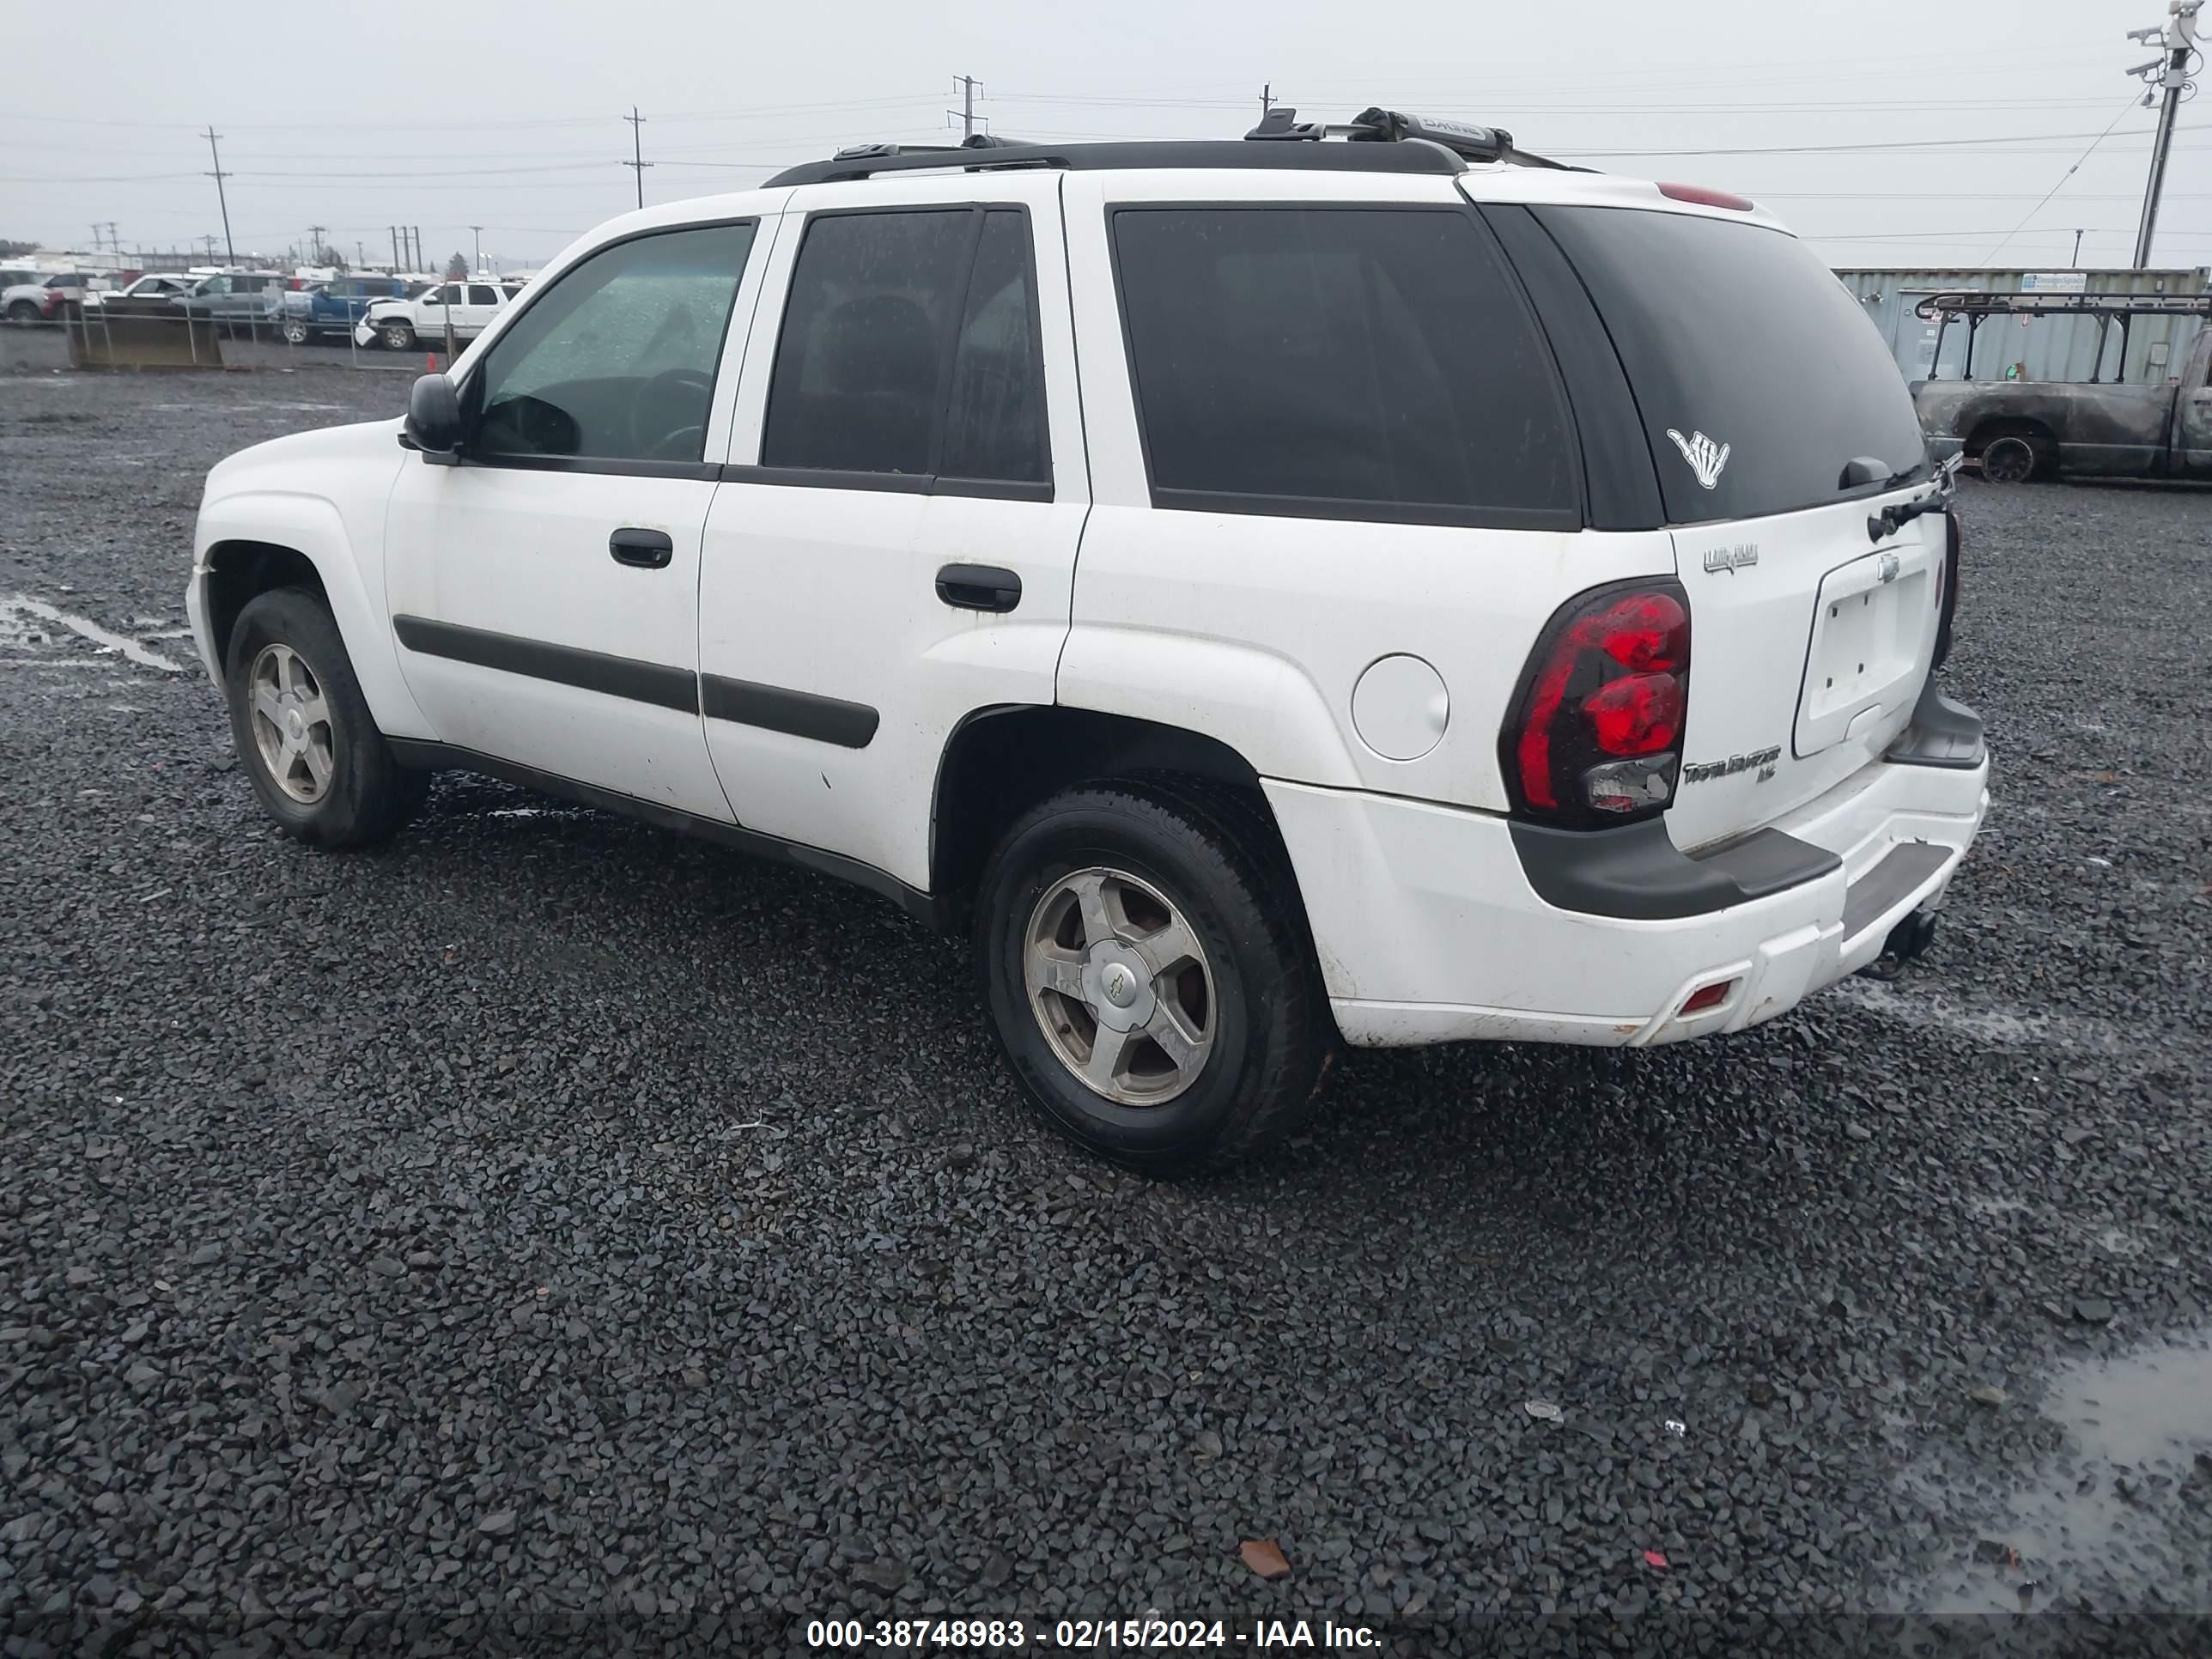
(2061, 184)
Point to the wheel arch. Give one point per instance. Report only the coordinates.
(250, 543)
(1990, 427)
(1000, 761)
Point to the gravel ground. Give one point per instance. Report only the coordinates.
(548, 1225)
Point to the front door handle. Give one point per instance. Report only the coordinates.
(979, 587)
(648, 550)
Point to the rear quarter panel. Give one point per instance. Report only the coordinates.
(1255, 629)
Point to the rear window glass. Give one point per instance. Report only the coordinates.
(1342, 362)
(1757, 376)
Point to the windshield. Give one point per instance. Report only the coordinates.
(1757, 376)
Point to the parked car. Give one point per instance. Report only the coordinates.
(237, 298)
(156, 285)
(43, 299)
(2017, 430)
(400, 324)
(334, 307)
(1473, 639)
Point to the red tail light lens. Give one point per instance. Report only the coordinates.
(1596, 734)
(1701, 197)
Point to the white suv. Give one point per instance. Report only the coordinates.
(1254, 586)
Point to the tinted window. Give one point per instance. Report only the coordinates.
(1739, 335)
(1340, 356)
(995, 419)
(482, 294)
(617, 358)
(859, 366)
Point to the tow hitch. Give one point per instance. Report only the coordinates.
(1907, 940)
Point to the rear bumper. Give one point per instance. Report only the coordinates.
(1430, 928)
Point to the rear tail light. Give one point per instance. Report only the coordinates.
(1700, 196)
(1596, 737)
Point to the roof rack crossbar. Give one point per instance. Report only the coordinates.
(1381, 141)
(1977, 303)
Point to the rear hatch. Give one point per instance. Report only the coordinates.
(1779, 422)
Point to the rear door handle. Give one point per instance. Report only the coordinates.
(648, 550)
(979, 587)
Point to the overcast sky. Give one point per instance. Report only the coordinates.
(508, 116)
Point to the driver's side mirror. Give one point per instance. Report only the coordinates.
(434, 416)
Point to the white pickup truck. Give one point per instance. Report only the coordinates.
(470, 308)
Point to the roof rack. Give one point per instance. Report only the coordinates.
(1376, 125)
(1382, 141)
(1979, 303)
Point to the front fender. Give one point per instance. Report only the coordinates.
(313, 527)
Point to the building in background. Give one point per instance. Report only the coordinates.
(2041, 348)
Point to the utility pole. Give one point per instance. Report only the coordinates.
(638, 163)
(2076, 260)
(2169, 71)
(969, 86)
(315, 243)
(219, 175)
(476, 265)
(396, 266)
(1266, 99)
(418, 248)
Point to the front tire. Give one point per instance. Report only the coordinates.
(305, 735)
(398, 336)
(1143, 952)
(23, 313)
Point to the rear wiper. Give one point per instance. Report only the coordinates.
(1891, 519)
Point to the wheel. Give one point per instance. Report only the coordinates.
(398, 336)
(2009, 459)
(304, 734)
(1143, 956)
(23, 312)
(296, 334)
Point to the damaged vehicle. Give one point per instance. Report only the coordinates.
(2022, 429)
(1352, 584)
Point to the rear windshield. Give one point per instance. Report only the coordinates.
(1758, 377)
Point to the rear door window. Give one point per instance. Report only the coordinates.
(1341, 362)
(1757, 375)
(911, 349)
(481, 294)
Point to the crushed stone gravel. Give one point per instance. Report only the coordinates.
(545, 1229)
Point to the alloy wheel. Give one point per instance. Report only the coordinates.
(291, 723)
(1120, 985)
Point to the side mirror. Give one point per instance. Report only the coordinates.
(434, 416)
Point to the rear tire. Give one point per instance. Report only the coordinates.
(1143, 952)
(305, 735)
(2009, 459)
(297, 334)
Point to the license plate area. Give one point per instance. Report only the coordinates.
(1871, 632)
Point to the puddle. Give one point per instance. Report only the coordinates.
(19, 619)
(2117, 1519)
(2001, 1027)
